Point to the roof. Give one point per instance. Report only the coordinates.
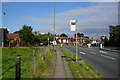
(63, 37)
(75, 38)
(12, 36)
(78, 38)
(95, 40)
(92, 39)
(82, 38)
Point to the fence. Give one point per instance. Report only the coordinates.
(18, 65)
(26, 45)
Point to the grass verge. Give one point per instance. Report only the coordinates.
(26, 54)
(80, 69)
(55, 62)
(43, 67)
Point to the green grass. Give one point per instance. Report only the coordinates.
(69, 56)
(43, 67)
(0, 62)
(80, 69)
(55, 63)
(9, 57)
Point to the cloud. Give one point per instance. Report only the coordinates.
(60, 0)
(92, 19)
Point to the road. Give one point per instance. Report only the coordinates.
(105, 62)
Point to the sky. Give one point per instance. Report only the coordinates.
(93, 17)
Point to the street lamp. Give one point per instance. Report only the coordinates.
(54, 25)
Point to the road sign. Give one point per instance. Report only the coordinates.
(48, 39)
(73, 25)
(103, 37)
(56, 37)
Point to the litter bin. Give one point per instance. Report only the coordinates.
(61, 45)
(88, 45)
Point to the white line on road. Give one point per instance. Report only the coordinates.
(103, 52)
(93, 52)
(108, 57)
(82, 53)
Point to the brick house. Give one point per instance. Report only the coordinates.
(13, 37)
(81, 40)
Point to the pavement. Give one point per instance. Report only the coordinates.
(105, 62)
(59, 72)
(62, 67)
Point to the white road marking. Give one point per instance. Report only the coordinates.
(103, 52)
(108, 57)
(82, 53)
(93, 52)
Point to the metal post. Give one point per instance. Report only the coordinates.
(54, 24)
(18, 65)
(48, 42)
(103, 43)
(76, 45)
(34, 62)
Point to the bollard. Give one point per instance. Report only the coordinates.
(42, 53)
(34, 62)
(101, 46)
(18, 67)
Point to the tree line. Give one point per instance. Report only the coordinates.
(27, 35)
(114, 39)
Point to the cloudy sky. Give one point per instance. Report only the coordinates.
(93, 17)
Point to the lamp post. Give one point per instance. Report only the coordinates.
(54, 25)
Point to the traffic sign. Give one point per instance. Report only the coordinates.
(103, 37)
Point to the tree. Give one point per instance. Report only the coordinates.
(49, 33)
(79, 35)
(26, 34)
(86, 37)
(87, 41)
(114, 35)
(17, 32)
(63, 35)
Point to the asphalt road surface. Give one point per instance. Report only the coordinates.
(105, 62)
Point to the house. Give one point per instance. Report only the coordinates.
(94, 41)
(13, 37)
(81, 40)
(63, 40)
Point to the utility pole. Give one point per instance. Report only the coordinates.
(54, 24)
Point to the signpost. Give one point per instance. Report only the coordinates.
(48, 41)
(103, 37)
(73, 27)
